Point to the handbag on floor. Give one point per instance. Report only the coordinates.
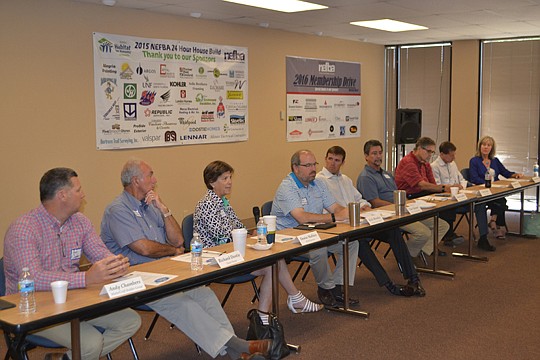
(531, 224)
(274, 331)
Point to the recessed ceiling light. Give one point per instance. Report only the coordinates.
(109, 2)
(287, 6)
(195, 15)
(389, 25)
(264, 24)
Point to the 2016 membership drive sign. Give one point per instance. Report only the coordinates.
(152, 92)
(323, 99)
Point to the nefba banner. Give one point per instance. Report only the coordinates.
(152, 92)
(323, 99)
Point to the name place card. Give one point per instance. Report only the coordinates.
(515, 184)
(309, 238)
(536, 179)
(229, 259)
(485, 192)
(123, 287)
(413, 209)
(461, 197)
(373, 217)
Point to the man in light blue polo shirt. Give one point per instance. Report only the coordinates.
(300, 198)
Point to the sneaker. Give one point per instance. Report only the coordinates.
(453, 240)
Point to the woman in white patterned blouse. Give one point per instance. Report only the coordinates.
(214, 219)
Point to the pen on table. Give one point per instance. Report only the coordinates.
(214, 252)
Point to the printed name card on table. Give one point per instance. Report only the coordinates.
(536, 179)
(485, 192)
(461, 197)
(373, 217)
(123, 287)
(229, 259)
(414, 209)
(309, 237)
(515, 184)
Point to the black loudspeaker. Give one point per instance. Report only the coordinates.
(408, 125)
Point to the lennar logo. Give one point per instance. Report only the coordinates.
(327, 68)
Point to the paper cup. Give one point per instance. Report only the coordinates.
(464, 184)
(270, 221)
(59, 290)
(239, 237)
(454, 191)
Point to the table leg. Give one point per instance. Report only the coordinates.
(75, 339)
(346, 309)
(470, 256)
(275, 301)
(14, 344)
(434, 270)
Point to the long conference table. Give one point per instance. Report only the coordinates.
(83, 304)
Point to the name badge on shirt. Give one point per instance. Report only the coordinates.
(387, 176)
(304, 201)
(137, 214)
(76, 254)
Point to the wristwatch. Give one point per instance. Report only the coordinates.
(442, 188)
(333, 217)
(166, 215)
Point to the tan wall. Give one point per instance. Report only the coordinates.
(464, 106)
(48, 116)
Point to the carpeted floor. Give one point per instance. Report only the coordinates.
(487, 311)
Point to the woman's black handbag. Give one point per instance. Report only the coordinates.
(274, 331)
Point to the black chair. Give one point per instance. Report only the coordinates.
(32, 341)
(187, 232)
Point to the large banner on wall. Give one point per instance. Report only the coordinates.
(323, 99)
(152, 92)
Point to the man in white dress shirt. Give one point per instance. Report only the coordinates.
(446, 172)
(341, 186)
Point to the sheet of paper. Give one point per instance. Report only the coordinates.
(280, 238)
(209, 257)
(147, 278)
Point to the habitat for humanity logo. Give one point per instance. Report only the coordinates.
(105, 45)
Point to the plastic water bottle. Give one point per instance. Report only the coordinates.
(262, 231)
(487, 179)
(196, 253)
(535, 169)
(27, 301)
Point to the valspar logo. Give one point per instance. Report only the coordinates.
(151, 138)
(327, 68)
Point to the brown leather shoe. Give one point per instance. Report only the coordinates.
(260, 346)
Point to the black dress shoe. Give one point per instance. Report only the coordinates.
(403, 290)
(326, 296)
(417, 288)
(485, 245)
(340, 300)
(337, 291)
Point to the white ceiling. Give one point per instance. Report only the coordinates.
(446, 19)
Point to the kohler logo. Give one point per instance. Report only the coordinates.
(327, 68)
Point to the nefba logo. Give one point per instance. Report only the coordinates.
(327, 68)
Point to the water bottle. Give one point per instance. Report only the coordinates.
(487, 179)
(535, 169)
(196, 253)
(27, 301)
(262, 231)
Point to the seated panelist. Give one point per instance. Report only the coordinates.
(214, 219)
